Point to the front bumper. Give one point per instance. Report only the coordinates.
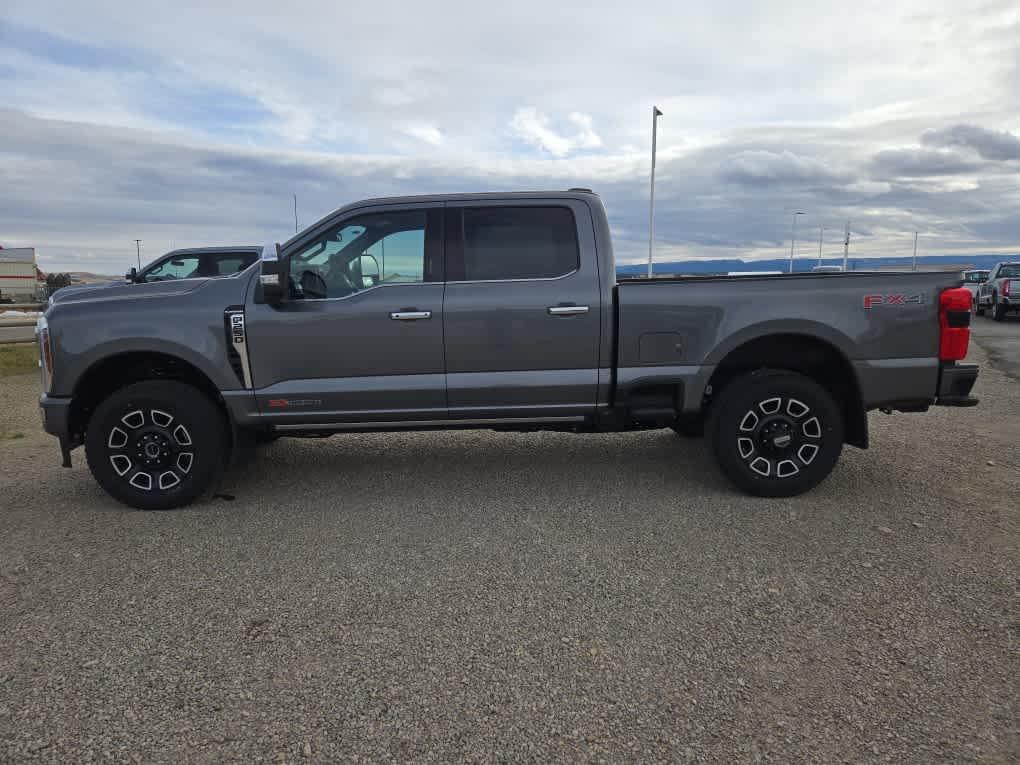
(56, 417)
(955, 383)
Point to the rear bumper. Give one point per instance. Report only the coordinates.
(955, 383)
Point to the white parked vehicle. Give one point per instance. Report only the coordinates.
(972, 280)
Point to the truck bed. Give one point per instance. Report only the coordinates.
(885, 324)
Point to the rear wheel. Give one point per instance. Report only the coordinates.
(156, 445)
(978, 308)
(776, 433)
(998, 309)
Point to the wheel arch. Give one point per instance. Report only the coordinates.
(816, 357)
(111, 373)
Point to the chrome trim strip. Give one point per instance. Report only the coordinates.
(502, 281)
(567, 310)
(362, 292)
(426, 423)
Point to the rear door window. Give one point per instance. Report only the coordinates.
(228, 265)
(501, 243)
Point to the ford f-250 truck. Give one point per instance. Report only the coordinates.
(500, 311)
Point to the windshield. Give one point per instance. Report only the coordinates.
(976, 277)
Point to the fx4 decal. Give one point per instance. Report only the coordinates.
(873, 301)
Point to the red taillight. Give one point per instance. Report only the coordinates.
(1005, 287)
(954, 323)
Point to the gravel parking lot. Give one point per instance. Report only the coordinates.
(483, 596)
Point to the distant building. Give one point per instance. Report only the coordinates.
(19, 276)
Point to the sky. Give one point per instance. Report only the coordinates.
(193, 123)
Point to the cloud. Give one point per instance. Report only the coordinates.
(919, 163)
(758, 168)
(532, 127)
(187, 122)
(430, 134)
(989, 144)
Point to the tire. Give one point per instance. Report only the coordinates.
(139, 440)
(998, 310)
(767, 422)
(978, 308)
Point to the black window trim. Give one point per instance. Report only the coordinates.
(454, 224)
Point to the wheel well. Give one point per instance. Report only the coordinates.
(115, 372)
(809, 356)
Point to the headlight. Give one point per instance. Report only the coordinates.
(42, 334)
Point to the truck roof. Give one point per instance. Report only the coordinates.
(573, 193)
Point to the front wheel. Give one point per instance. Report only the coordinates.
(978, 308)
(156, 445)
(776, 433)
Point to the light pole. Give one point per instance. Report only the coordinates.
(793, 238)
(138, 252)
(295, 213)
(821, 230)
(846, 245)
(914, 264)
(651, 195)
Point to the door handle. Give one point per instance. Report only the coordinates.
(410, 315)
(567, 310)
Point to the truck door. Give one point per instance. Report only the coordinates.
(361, 336)
(522, 309)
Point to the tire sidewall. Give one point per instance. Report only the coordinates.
(187, 406)
(743, 395)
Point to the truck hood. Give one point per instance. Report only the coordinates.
(90, 293)
(65, 293)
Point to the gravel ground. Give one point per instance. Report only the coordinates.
(481, 596)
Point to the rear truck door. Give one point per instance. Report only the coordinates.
(360, 337)
(522, 312)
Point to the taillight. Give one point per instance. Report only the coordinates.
(1005, 287)
(954, 323)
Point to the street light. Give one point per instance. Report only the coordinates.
(138, 252)
(651, 196)
(793, 238)
(821, 231)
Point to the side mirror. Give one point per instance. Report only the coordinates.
(273, 276)
(369, 266)
(132, 275)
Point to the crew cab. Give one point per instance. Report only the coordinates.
(1000, 293)
(497, 311)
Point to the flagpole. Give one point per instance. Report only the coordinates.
(651, 194)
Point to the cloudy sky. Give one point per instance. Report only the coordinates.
(189, 123)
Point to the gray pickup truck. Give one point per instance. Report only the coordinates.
(999, 293)
(500, 311)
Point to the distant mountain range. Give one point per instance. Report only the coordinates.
(806, 264)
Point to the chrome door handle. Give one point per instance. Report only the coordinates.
(566, 310)
(410, 315)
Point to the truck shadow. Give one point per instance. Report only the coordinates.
(475, 471)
